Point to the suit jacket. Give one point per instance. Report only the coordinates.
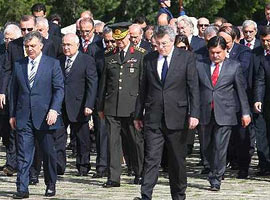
(80, 87)
(230, 81)
(119, 84)
(243, 55)
(97, 39)
(146, 45)
(202, 53)
(257, 43)
(57, 43)
(177, 99)
(46, 93)
(196, 43)
(54, 29)
(15, 53)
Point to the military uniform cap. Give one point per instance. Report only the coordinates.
(120, 30)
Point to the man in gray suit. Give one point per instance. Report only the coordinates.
(220, 80)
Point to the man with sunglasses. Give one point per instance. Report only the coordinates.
(118, 91)
(203, 23)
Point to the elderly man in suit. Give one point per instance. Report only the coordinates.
(37, 92)
(250, 31)
(220, 78)
(169, 99)
(80, 93)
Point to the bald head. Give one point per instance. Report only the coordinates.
(87, 14)
(136, 33)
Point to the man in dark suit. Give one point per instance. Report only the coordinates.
(37, 92)
(136, 37)
(39, 10)
(118, 91)
(220, 79)
(258, 88)
(169, 95)
(80, 94)
(250, 31)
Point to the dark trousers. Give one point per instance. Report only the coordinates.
(215, 143)
(12, 150)
(26, 148)
(176, 142)
(102, 143)
(4, 129)
(119, 127)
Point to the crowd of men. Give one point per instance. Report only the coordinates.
(141, 91)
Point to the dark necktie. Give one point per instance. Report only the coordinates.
(164, 70)
(122, 55)
(68, 66)
(214, 78)
(32, 74)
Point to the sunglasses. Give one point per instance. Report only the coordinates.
(28, 29)
(201, 25)
(108, 41)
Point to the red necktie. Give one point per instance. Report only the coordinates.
(85, 45)
(214, 79)
(248, 44)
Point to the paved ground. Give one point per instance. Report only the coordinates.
(73, 187)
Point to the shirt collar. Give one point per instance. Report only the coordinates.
(169, 55)
(36, 60)
(72, 58)
(252, 42)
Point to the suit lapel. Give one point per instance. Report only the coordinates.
(41, 68)
(25, 72)
(207, 70)
(154, 64)
(75, 63)
(224, 68)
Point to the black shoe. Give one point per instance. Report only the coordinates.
(33, 181)
(130, 172)
(100, 174)
(82, 174)
(234, 166)
(21, 195)
(9, 171)
(2, 167)
(205, 171)
(50, 191)
(200, 163)
(263, 172)
(215, 187)
(137, 198)
(242, 174)
(110, 184)
(137, 180)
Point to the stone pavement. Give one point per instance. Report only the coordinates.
(74, 187)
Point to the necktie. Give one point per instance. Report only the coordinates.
(68, 66)
(164, 70)
(85, 45)
(214, 78)
(32, 74)
(122, 55)
(248, 44)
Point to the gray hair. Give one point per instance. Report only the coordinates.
(187, 21)
(99, 23)
(161, 31)
(210, 30)
(107, 30)
(249, 23)
(42, 20)
(31, 35)
(74, 36)
(14, 29)
(136, 27)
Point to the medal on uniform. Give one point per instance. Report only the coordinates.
(131, 69)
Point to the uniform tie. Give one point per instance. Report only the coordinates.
(122, 55)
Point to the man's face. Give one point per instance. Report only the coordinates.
(39, 14)
(217, 54)
(249, 32)
(183, 28)
(86, 30)
(8, 37)
(33, 47)
(135, 36)
(27, 26)
(267, 14)
(70, 48)
(42, 29)
(123, 43)
(266, 42)
(109, 40)
(202, 25)
(228, 39)
(164, 45)
(148, 34)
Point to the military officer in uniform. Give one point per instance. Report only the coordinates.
(118, 91)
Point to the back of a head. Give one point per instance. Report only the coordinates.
(38, 7)
(229, 30)
(265, 31)
(87, 14)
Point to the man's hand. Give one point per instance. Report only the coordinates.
(193, 122)
(101, 115)
(87, 111)
(246, 120)
(12, 122)
(2, 100)
(51, 117)
(138, 124)
(258, 107)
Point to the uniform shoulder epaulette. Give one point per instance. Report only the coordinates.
(140, 49)
(108, 50)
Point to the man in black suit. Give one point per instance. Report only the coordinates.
(169, 96)
(258, 83)
(39, 10)
(136, 37)
(220, 79)
(80, 94)
(250, 31)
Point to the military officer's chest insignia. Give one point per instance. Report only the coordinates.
(132, 60)
(131, 70)
(112, 61)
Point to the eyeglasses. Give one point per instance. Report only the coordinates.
(108, 41)
(248, 31)
(203, 25)
(28, 29)
(8, 39)
(162, 44)
(87, 32)
(99, 33)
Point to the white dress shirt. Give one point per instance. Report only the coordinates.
(213, 66)
(72, 58)
(36, 61)
(252, 43)
(161, 60)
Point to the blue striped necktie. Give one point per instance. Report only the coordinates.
(32, 74)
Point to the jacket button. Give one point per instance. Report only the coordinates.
(121, 66)
(120, 80)
(121, 73)
(120, 88)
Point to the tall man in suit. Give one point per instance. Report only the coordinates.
(80, 94)
(169, 95)
(250, 31)
(220, 78)
(37, 92)
(118, 90)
